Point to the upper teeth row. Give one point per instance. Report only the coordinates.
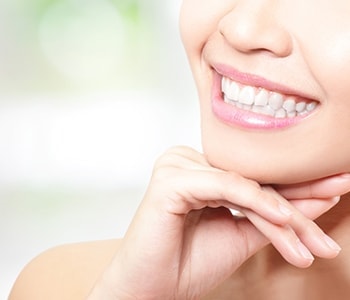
(262, 101)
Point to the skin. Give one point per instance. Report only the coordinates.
(183, 242)
(281, 42)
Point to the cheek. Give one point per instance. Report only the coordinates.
(198, 21)
(193, 27)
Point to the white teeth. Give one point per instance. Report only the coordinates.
(262, 101)
(265, 110)
(276, 101)
(300, 107)
(247, 95)
(289, 104)
(311, 106)
(233, 90)
(281, 113)
(262, 98)
(239, 105)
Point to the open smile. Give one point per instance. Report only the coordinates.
(263, 101)
(251, 102)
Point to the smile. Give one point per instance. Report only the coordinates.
(264, 102)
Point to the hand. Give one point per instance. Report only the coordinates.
(184, 241)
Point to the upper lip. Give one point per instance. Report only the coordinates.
(258, 81)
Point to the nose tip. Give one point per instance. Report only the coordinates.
(249, 28)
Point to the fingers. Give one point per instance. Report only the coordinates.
(193, 190)
(322, 188)
(296, 247)
(313, 208)
(183, 181)
(301, 238)
(284, 239)
(182, 156)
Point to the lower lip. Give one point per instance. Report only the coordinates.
(234, 116)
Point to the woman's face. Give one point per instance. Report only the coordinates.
(273, 79)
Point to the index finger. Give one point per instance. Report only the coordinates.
(321, 188)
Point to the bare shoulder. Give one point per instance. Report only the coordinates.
(64, 272)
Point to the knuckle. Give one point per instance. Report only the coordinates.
(256, 199)
(259, 194)
(243, 192)
(179, 150)
(307, 229)
(171, 156)
(180, 157)
(231, 183)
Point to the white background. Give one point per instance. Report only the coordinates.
(74, 162)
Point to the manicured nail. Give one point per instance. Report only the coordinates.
(304, 251)
(285, 210)
(331, 243)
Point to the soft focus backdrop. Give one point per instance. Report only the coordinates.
(91, 92)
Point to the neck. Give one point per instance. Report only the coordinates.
(336, 222)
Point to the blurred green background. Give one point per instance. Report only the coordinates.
(69, 45)
(91, 92)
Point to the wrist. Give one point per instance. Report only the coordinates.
(107, 288)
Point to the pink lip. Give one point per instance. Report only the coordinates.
(254, 80)
(245, 119)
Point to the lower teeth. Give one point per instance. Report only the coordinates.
(269, 111)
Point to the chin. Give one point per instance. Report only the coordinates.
(268, 171)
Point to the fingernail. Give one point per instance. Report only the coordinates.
(336, 199)
(285, 210)
(331, 243)
(304, 251)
